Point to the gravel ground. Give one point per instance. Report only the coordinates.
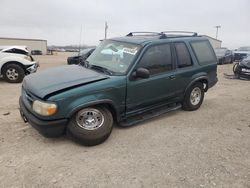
(209, 147)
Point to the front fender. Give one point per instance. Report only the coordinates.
(93, 103)
(111, 92)
(16, 58)
(20, 60)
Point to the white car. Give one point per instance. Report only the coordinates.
(15, 63)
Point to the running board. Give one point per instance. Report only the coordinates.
(149, 115)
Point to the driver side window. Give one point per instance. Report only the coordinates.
(157, 59)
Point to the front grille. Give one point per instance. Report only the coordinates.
(27, 98)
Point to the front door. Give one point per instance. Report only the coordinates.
(160, 86)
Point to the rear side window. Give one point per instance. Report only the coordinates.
(203, 52)
(157, 59)
(183, 56)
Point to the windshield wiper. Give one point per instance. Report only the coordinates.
(100, 68)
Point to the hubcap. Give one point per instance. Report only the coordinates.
(12, 74)
(89, 119)
(195, 96)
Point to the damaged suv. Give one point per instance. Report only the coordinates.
(125, 81)
(15, 63)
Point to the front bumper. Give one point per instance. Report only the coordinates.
(242, 71)
(32, 68)
(48, 128)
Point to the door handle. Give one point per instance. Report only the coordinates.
(172, 77)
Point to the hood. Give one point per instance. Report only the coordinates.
(245, 64)
(241, 52)
(54, 80)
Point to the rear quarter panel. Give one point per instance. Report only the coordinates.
(209, 69)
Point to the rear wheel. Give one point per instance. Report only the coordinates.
(223, 61)
(235, 68)
(232, 60)
(193, 97)
(91, 126)
(13, 73)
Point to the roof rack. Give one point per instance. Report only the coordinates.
(179, 33)
(164, 34)
(161, 35)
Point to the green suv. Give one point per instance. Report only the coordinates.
(125, 81)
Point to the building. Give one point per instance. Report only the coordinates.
(32, 44)
(214, 42)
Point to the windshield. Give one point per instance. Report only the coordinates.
(85, 51)
(247, 58)
(220, 51)
(244, 49)
(114, 56)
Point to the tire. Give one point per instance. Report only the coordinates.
(232, 60)
(235, 68)
(223, 61)
(13, 73)
(194, 102)
(90, 135)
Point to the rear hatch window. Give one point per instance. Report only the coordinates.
(204, 52)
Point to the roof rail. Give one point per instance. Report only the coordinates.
(180, 33)
(164, 34)
(161, 35)
(142, 33)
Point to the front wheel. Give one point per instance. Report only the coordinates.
(91, 126)
(13, 73)
(194, 97)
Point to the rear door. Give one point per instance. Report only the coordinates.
(160, 86)
(185, 67)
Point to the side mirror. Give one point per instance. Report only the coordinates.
(141, 73)
(81, 62)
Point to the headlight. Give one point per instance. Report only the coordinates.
(28, 58)
(44, 108)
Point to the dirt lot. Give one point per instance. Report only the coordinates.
(205, 148)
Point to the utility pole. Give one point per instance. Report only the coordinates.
(80, 41)
(106, 29)
(217, 30)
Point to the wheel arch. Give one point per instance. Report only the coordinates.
(11, 62)
(202, 79)
(109, 104)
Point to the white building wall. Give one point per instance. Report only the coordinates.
(30, 43)
(214, 42)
